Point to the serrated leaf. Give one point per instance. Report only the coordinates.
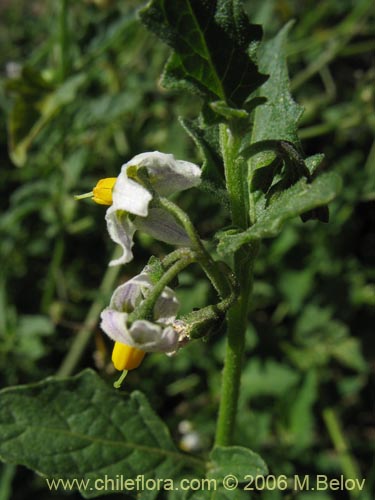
(237, 461)
(278, 118)
(80, 427)
(296, 200)
(211, 42)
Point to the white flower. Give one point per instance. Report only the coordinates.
(130, 201)
(156, 336)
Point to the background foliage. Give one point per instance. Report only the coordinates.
(86, 100)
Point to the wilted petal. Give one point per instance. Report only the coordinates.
(151, 337)
(130, 196)
(121, 231)
(167, 175)
(113, 323)
(166, 307)
(162, 226)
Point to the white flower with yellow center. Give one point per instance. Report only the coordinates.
(129, 200)
(133, 340)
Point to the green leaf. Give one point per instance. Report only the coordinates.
(348, 352)
(259, 378)
(207, 141)
(296, 200)
(278, 118)
(212, 41)
(80, 427)
(235, 460)
(313, 162)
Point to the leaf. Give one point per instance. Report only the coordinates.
(80, 427)
(259, 378)
(30, 332)
(348, 352)
(322, 337)
(276, 122)
(313, 162)
(211, 42)
(296, 200)
(278, 118)
(295, 286)
(237, 461)
(208, 145)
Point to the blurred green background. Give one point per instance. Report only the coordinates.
(79, 96)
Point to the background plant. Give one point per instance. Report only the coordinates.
(312, 306)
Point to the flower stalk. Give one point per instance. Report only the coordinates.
(218, 279)
(145, 309)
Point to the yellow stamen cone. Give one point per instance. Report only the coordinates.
(125, 357)
(102, 192)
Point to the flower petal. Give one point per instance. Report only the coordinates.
(113, 323)
(151, 337)
(166, 307)
(121, 231)
(162, 226)
(126, 297)
(167, 174)
(130, 196)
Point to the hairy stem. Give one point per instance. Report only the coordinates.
(216, 276)
(178, 254)
(236, 330)
(243, 266)
(145, 310)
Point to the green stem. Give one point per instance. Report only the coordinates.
(178, 254)
(205, 321)
(235, 175)
(216, 276)
(243, 265)
(236, 330)
(145, 310)
(79, 344)
(348, 463)
(218, 279)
